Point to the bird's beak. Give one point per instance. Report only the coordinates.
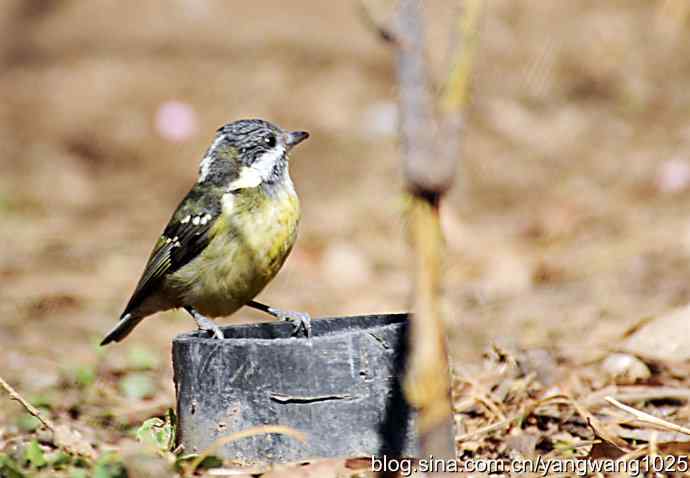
(295, 137)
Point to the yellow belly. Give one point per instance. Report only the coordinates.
(249, 244)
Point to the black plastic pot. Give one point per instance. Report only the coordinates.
(341, 389)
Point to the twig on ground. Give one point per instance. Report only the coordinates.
(63, 436)
(524, 412)
(646, 417)
(489, 428)
(479, 394)
(490, 406)
(600, 429)
(636, 394)
(639, 434)
(33, 411)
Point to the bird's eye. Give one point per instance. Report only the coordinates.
(270, 141)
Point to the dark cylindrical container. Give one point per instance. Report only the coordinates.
(341, 389)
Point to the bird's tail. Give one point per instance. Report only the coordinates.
(122, 329)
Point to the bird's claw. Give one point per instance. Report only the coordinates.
(217, 333)
(299, 320)
(208, 325)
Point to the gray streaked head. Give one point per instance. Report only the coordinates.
(247, 153)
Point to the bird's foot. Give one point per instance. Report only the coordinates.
(206, 324)
(299, 320)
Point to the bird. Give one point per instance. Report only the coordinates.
(228, 237)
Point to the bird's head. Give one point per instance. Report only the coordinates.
(247, 153)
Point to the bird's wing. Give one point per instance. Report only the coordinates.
(186, 235)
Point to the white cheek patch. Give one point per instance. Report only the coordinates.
(248, 178)
(259, 171)
(266, 162)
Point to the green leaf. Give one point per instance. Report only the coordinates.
(141, 358)
(58, 459)
(157, 433)
(137, 385)
(210, 461)
(109, 466)
(43, 400)
(78, 473)
(34, 455)
(85, 375)
(79, 374)
(8, 468)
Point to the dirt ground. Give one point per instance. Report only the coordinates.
(570, 221)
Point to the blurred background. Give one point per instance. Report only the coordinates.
(569, 223)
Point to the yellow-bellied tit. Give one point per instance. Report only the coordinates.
(228, 237)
